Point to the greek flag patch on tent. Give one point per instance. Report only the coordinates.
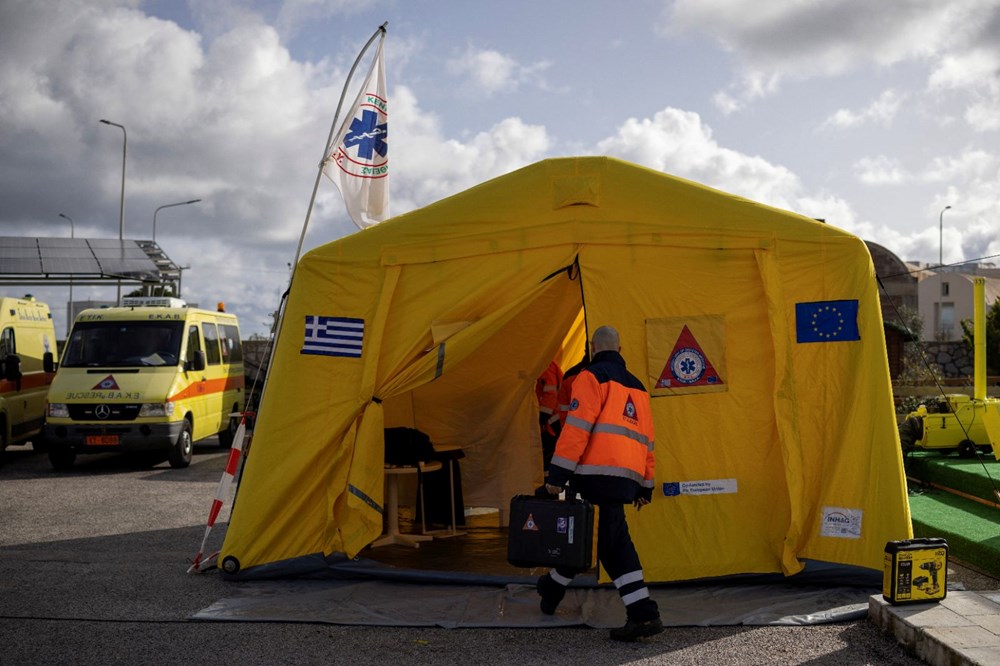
(333, 336)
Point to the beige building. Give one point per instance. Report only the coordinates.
(945, 299)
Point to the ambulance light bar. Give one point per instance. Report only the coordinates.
(152, 302)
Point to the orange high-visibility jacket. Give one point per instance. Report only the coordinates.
(565, 389)
(606, 446)
(547, 389)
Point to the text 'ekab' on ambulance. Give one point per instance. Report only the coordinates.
(27, 353)
(151, 376)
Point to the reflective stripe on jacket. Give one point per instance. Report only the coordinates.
(606, 445)
(565, 389)
(547, 389)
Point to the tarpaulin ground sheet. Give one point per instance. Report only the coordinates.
(387, 603)
(465, 581)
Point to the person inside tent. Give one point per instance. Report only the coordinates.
(547, 392)
(565, 388)
(605, 453)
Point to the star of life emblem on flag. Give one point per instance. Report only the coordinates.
(360, 151)
(333, 336)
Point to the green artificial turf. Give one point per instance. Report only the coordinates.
(974, 476)
(971, 529)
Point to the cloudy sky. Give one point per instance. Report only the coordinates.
(871, 115)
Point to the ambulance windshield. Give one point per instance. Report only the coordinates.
(124, 344)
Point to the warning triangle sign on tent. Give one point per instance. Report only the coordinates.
(688, 365)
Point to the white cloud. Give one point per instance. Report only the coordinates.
(491, 72)
(677, 142)
(881, 111)
(880, 170)
(428, 166)
(975, 72)
(787, 40)
(293, 14)
(970, 165)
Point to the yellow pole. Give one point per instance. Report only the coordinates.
(979, 336)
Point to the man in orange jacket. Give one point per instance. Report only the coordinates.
(605, 452)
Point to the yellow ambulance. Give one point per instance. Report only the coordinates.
(151, 376)
(27, 352)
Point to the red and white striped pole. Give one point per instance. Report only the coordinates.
(199, 565)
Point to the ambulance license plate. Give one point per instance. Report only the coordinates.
(102, 440)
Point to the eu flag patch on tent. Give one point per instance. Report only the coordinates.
(333, 336)
(827, 321)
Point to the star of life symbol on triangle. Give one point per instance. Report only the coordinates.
(107, 384)
(530, 525)
(629, 411)
(688, 365)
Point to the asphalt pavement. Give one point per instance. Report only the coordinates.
(93, 568)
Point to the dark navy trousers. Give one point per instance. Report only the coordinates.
(617, 554)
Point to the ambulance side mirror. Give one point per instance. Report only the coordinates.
(197, 363)
(48, 362)
(12, 368)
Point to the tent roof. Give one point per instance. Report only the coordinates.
(581, 199)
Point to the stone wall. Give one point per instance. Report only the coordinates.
(953, 359)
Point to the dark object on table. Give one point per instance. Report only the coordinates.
(407, 446)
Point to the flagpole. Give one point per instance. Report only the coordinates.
(312, 198)
(280, 318)
(329, 139)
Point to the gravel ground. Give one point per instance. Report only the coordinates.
(94, 564)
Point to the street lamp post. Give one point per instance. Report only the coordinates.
(69, 317)
(121, 205)
(941, 236)
(72, 231)
(181, 203)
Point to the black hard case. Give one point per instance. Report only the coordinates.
(550, 533)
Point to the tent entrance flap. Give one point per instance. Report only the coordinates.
(485, 402)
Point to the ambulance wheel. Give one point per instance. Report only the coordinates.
(181, 450)
(966, 448)
(39, 444)
(61, 456)
(227, 436)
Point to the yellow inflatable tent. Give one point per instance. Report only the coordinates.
(757, 331)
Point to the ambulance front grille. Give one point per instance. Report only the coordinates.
(115, 411)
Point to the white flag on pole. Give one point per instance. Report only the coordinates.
(358, 159)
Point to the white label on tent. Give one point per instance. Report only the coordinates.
(840, 522)
(710, 487)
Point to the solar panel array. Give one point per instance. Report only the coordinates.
(71, 257)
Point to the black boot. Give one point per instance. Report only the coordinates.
(551, 592)
(634, 630)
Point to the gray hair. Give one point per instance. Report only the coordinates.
(606, 339)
